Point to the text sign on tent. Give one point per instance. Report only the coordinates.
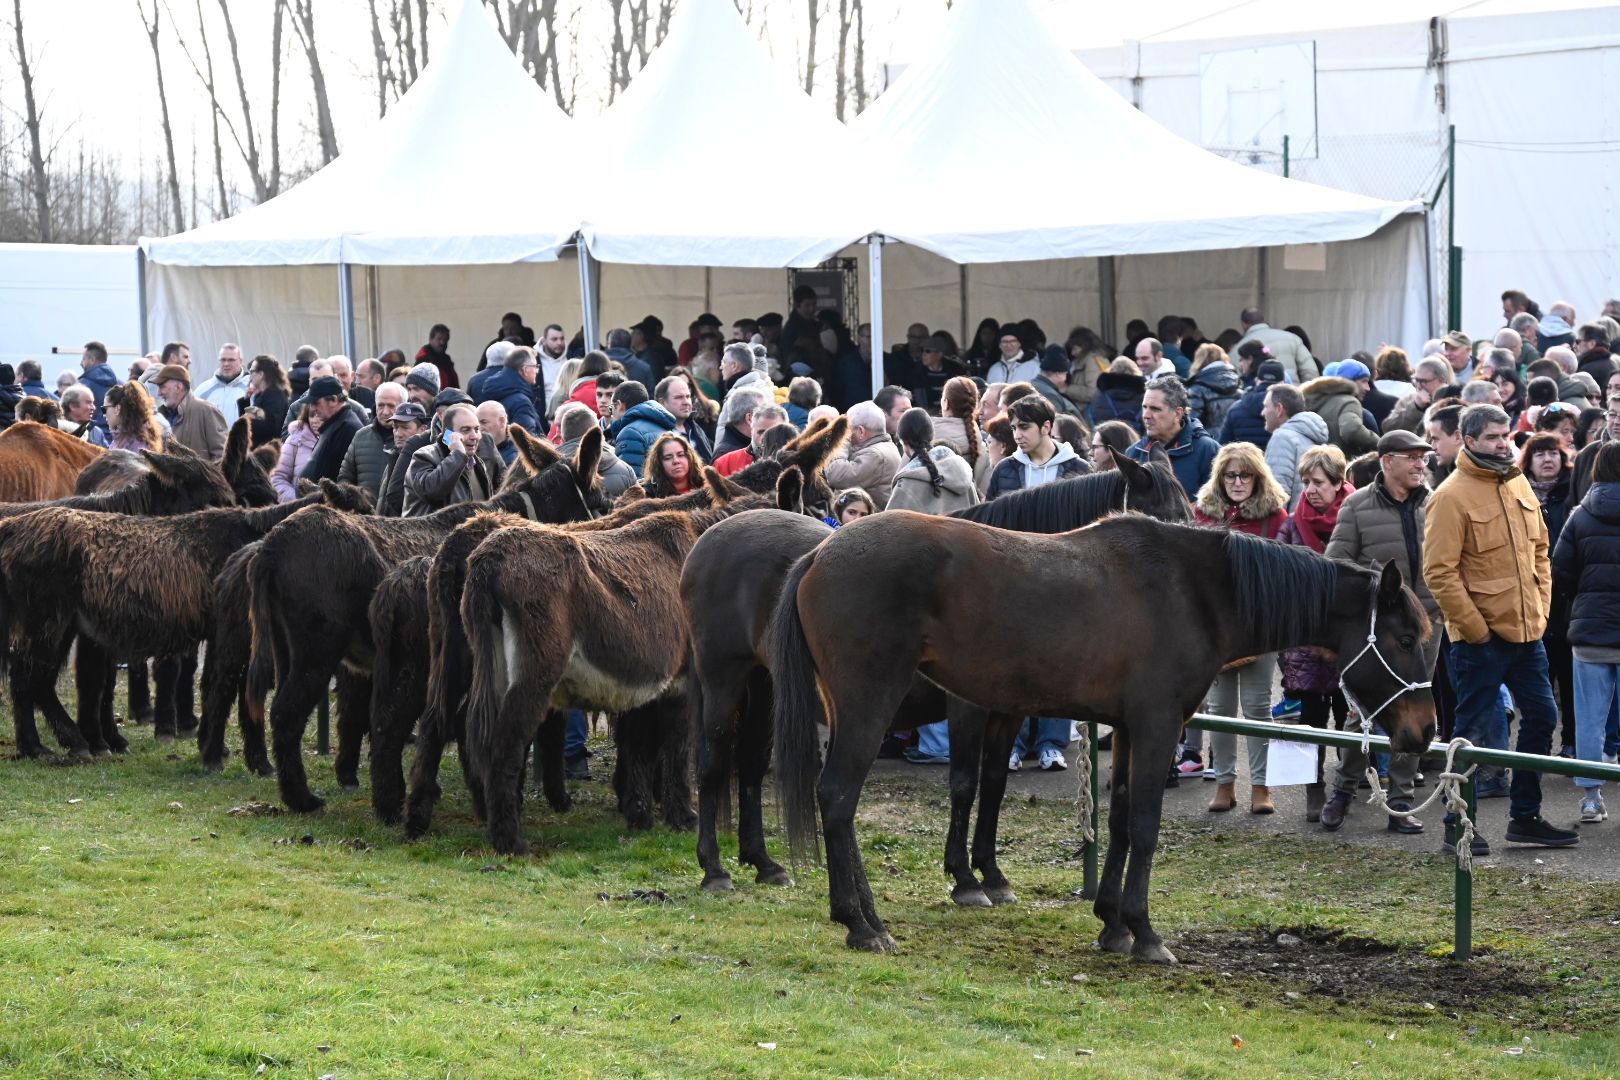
(1250, 98)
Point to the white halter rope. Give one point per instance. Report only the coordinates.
(1405, 687)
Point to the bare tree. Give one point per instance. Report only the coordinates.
(304, 26)
(530, 30)
(39, 178)
(400, 20)
(205, 75)
(384, 61)
(814, 7)
(152, 28)
(266, 182)
(860, 55)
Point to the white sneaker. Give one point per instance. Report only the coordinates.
(1609, 759)
(1592, 810)
(1052, 760)
(1015, 763)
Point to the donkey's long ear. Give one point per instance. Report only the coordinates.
(1389, 584)
(790, 490)
(237, 445)
(806, 436)
(1136, 475)
(587, 456)
(536, 453)
(719, 487)
(814, 450)
(162, 465)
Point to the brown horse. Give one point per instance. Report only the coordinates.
(39, 462)
(1166, 606)
(312, 585)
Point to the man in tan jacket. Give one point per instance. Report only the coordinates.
(1485, 560)
(871, 459)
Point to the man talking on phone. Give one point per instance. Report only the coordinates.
(449, 470)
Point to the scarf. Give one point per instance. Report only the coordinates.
(1543, 488)
(1315, 526)
(1500, 466)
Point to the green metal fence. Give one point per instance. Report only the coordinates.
(1463, 880)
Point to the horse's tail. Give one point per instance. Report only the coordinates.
(798, 710)
(481, 617)
(5, 627)
(261, 675)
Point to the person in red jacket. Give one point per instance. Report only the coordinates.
(436, 352)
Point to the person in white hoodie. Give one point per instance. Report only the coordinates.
(228, 385)
(1039, 459)
(1016, 363)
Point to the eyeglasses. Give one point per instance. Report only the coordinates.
(1238, 477)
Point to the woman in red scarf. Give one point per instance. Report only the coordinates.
(1309, 677)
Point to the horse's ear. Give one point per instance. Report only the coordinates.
(237, 445)
(719, 487)
(634, 493)
(1136, 475)
(1389, 584)
(587, 456)
(816, 427)
(536, 453)
(160, 464)
(814, 449)
(790, 490)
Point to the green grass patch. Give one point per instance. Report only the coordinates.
(149, 932)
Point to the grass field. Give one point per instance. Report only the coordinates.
(149, 931)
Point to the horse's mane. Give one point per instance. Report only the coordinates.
(1283, 592)
(1050, 508)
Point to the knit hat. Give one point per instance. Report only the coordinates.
(1350, 369)
(173, 371)
(1056, 358)
(326, 386)
(1009, 330)
(452, 396)
(424, 376)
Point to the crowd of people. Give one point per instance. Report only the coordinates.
(1487, 468)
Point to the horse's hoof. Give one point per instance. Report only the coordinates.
(1119, 942)
(681, 822)
(718, 883)
(519, 848)
(101, 751)
(774, 875)
(80, 753)
(1001, 894)
(348, 783)
(874, 943)
(119, 747)
(305, 804)
(215, 767)
(970, 896)
(1153, 952)
(162, 737)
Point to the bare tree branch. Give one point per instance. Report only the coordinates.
(304, 26)
(36, 158)
(810, 48)
(152, 28)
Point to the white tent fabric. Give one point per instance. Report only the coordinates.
(461, 171)
(666, 193)
(1089, 175)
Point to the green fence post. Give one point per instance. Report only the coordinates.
(323, 726)
(1088, 886)
(1462, 938)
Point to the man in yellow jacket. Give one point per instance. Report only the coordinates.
(1485, 560)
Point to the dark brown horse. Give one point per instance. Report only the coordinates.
(639, 734)
(312, 585)
(729, 602)
(1166, 606)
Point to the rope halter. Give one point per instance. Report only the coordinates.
(1404, 688)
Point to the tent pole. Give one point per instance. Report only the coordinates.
(708, 288)
(1428, 272)
(962, 299)
(373, 311)
(1108, 291)
(587, 296)
(140, 296)
(346, 308)
(1262, 280)
(874, 246)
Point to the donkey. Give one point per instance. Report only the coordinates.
(652, 764)
(312, 585)
(728, 607)
(38, 462)
(130, 588)
(929, 593)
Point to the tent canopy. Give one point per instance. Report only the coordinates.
(667, 197)
(999, 146)
(461, 171)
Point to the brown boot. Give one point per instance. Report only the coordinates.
(1225, 798)
(1260, 800)
(1315, 794)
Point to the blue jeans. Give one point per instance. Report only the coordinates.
(1050, 734)
(934, 739)
(574, 734)
(1478, 671)
(1595, 686)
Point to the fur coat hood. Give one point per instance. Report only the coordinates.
(1319, 390)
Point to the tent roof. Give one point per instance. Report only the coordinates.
(999, 146)
(669, 190)
(457, 173)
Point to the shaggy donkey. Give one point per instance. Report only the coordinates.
(130, 587)
(656, 734)
(39, 462)
(312, 585)
(581, 620)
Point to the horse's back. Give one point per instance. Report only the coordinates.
(733, 576)
(39, 462)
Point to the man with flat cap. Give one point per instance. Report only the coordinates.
(193, 422)
(339, 425)
(1383, 522)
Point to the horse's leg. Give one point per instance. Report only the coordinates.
(1116, 936)
(714, 704)
(675, 763)
(548, 752)
(753, 755)
(166, 678)
(506, 748)
(353, 721)
(1000, 731)
(219, 687)
(29, 744)
(424, 794)
(110, 735)
(89, 673)
(1151, 748)
(43, 665)
(967, 725)
(300, 691)
(395, 711)
(635, 733)
(185, 694)
(250, 719)
(140, 693)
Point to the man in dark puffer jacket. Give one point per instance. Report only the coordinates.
(1244, 421)
(367, 457)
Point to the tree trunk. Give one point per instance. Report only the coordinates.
(263, 185)
(405, 38)
(162, 104)
(421, 28)
(618, 55)
(36, 156)
(222, 204)
(843, 59)
(304, 24)
(277, 25)
(810, 49)
(860, 56)
(385, 68)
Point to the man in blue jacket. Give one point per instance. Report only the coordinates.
(1246, 420)
(1192, 450)
(638, 420)
(31, 377)
(510, 382)
(98, 376)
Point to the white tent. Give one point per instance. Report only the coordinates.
(999, 147)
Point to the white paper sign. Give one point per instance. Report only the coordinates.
(1290, 763)
(1305, 257)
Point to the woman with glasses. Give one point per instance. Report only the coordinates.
(1241, 495)
(1114, 435)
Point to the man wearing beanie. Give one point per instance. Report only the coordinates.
(193, 422)
(422, 385)
(339, 425)
(1016, 363)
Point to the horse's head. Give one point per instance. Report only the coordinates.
(1382, 663)
(180, 481)
(561, 489)
(1151, 488)
(242, 469)
(349, 498)
(810, 452)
